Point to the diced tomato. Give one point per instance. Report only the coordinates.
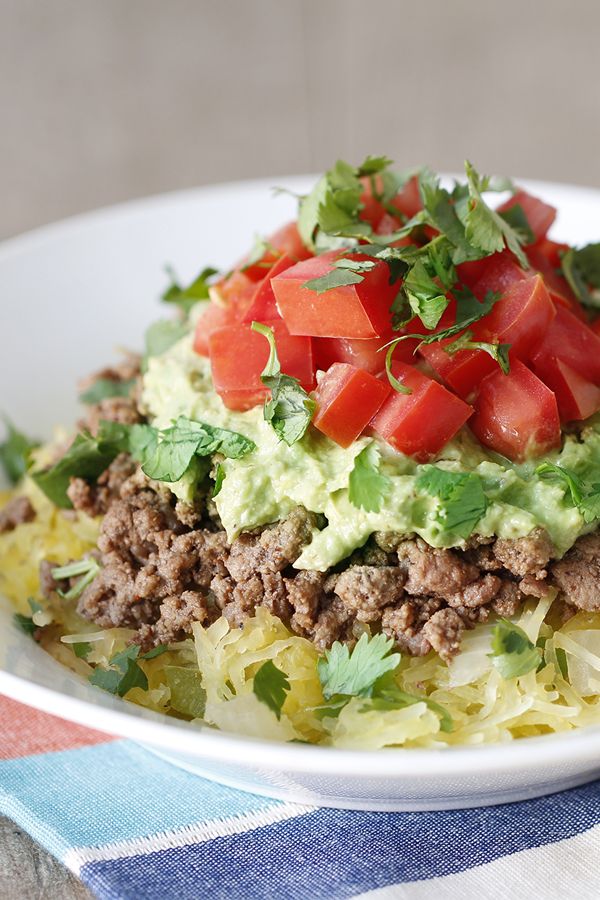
(516, 414)
(238, 356)
(408, 200)
(520, 318)
(347, 399)
(545, 258)
(420, 424)
(573, 342)
(286, 240)
(501, 270)
(365, 354)
(595, 326)
(577, 397)
(463, 371)
(212, 318)
(539, 215)
(263, 305)
(387, 225)
(352, 311)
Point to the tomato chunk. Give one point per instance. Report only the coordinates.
(347, 399)
(365, 354)
(463, 371)
(539, 215)
(501, 270)
(577, 397)
(238, 356)
(420, 424)
(212, 318)
(351, 311)
(286, 240)
(520, 318)
(516, 414)
(573, 342)
(263, 305)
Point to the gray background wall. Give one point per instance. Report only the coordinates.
(105, 100)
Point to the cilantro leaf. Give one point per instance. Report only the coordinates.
(123, 674)
(15, 452)
(513, 654)
(366, 485)
(271, 686)
(461, 496)
(584, 496)
(188, 697)
(581, 268)
(81, 649)
(104, 388)
(160, 336)
(87, 457)
(289, 409)
(336, 278)
(219, 479)
(355, 673)
(87, 568)
(499, 352)
(516, 218)
(25, 624)
(484, 227)
(387, 695)
(185, 298)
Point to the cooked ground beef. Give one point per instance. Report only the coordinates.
(16, 512)
(166, 566)
(115, 409)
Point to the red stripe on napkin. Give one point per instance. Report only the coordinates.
(26, 731)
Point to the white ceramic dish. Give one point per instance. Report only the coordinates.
(69, 294)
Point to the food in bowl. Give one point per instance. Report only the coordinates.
(350, 493)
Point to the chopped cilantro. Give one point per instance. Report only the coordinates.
(104, 388)
(584, 496)
(219, 479)
(259, 250)
(15, 452)
(87, 457)
(484, 227)
(188, 697)
(123, 674)
(387, 695)
(462, 500)
(185, 298)
(516, 218)
(344, 272)
(581, 268)
(499, 352)
(354, 673)
(87, 568)
(289, 409)
(513, 654)
(271, 686)
(366, 485)
(25, 624)
(160, 336)
(81, 649)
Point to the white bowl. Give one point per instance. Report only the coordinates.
(70, 294)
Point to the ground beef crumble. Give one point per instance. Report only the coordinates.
(165, 566)
(16, 512)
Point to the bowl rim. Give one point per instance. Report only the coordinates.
(127, 720)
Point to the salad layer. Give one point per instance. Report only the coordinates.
(350, 494)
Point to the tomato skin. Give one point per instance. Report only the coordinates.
(420, 424)
(263, 305)
(462, 371)
(520, 318)
(238, 356)
(573, 342)
(577, 398)
(287, 241)
(516, 414)
(545, 258)
(347, 399)
(212, 318)
(501, 270)
(408, 200)
(539, 215)
(351, 311)
(364, 354)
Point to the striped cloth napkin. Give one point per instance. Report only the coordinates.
(133, 827)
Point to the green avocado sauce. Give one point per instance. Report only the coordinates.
(268, 483)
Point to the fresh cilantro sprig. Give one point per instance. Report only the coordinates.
(583, 495)
(344, 272)
(462, 500)
(354, 673)
(388, 696)
(84, 569)
(581, 268)
(164, 454)
(289, 408)
(160, 336)
(260, 249)
(271, 686)
(186, 297)
(513, 654)
(124, 671)
(15, 452)
(366, 485)
(105, 388)
(498, 352)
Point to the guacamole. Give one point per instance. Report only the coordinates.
(267, 484)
